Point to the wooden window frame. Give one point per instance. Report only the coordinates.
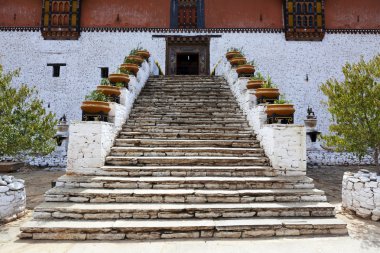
(61, 31)
(301, 24)
(174, 9)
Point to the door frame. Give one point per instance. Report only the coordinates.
(187, 44)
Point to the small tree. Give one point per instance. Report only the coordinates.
(355, 107)
(25, 126)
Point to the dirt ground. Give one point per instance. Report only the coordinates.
(37, 182)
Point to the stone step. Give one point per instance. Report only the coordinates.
(149, 129)
(186, 143)
(189, 129)
(100, 211)
(188, 136)
(177, 104)
(229, 183)
(160, 123)
(195, 100)
(205, 118)
(59, 194)
(186, 171)
(180, 88)
(186, 160)
(180, 229)
(194, 109)
(182, 151)
(160, 114)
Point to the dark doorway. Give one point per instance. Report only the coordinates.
(187, 64)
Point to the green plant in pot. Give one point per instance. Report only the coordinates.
(281, 108)
(96, 103)
(247, 68)
(234, 52)
(256, 81)
(268, 93)
(121, 76)
(108, 89)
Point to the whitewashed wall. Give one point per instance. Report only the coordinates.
(287, 62)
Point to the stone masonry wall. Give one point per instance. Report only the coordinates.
(285, 145)
(12, 198)
(361, 194)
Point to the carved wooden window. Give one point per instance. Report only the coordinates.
(304, 19)
(61, 19)
(187, 14)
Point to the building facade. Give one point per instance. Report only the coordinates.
(64, 46)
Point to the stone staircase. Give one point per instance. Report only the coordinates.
(185, 165)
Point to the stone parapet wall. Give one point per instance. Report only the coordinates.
(285, 145)
(330, 158)
(361, 194)
(91, 142)
(12, 198)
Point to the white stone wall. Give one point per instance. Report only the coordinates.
(330, 158)
(12, 198)
(361, 194)
(288, 62)
(285, 145)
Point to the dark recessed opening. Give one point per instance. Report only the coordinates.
(56, 68)
(104, 72)
(187, 64)
(56, 71)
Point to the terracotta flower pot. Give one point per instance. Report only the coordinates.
(233, 54)
(143, 53)
(134, 68)
(254, 84)
(280, 109)
(119, 78)
(95, 107)
(136, 59)
(245, 69)
(238, 61)
(272, 93)
(109, 90)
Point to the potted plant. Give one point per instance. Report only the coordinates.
(129, 65)
(281, 108)
(233, 52)
(246, 68)
(238, 60)
(96, 102)
(268, 92)
(255, 81)
(107, 89)
(142, 53)
(134, 58)
(121, 76)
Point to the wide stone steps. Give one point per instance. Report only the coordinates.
(185, 165)
(186, 143)
(132, 229)
(186, 136)
(77, 195)
(189, 129)
(99, 211)
(182, 151)
(186, 160)
(172, 182)
(187, 171)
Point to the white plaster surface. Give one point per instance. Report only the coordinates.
(12, 198)
(361, 194)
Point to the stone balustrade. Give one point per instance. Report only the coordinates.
(285, 145)
(361, 194)
(12, 198)
(90, 142)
